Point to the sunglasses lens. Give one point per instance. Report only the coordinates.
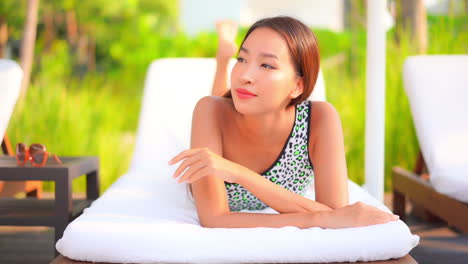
(21, 151)
(38, 157)
(37, 152)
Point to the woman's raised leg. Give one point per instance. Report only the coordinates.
(227, 31)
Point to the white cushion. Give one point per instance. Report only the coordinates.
(437, 88)
(146, 217)
(10, 84)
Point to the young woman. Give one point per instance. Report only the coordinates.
(262, 142)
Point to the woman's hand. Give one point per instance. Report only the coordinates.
(356, 215)
(202, 162)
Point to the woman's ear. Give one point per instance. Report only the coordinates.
(297, 91)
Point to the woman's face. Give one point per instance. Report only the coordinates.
(265, 69)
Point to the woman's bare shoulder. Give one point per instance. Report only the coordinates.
(321, 111)
(214, 103)
(324, 116)
(214, 106)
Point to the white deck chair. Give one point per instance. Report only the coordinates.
(146, 217)
(437, 89)
(10, 84)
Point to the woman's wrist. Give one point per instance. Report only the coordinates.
(320, 219)
(240, 174)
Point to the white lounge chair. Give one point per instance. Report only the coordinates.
(10, 84)
(146, 217)
(437, 89)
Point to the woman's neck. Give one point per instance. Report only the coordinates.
(266, 128)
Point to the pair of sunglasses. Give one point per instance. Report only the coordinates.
(36, 154)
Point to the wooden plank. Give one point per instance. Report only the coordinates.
(34, 212)
(83, 167)
(399, 204)
(71, 166)
(10, 161)
(421, 192)
(404, 260)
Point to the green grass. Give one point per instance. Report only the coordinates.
(98, 114)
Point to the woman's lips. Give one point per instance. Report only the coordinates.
(244, 94)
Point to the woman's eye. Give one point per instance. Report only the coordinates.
(239, 59)
(267, 66)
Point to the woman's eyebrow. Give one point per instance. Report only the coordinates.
(263, 54)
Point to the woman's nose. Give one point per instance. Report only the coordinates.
(247, 74)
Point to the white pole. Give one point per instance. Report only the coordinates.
(375, 98)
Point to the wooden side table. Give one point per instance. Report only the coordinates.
(58, 212)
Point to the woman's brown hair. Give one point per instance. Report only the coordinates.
(303, 49)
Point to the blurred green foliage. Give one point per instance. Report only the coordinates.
(346, 90)
(77, 110)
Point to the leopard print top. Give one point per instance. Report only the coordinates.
(293, 168)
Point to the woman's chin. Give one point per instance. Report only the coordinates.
(240, 107)
(244, 107)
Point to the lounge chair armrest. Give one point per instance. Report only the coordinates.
(409, 185)
(402, 176)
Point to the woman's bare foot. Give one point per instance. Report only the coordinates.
(227, 31)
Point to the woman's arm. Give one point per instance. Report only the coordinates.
(355, 215)
(247, 220)
(326, 148)
(277, 197)
(202, 162)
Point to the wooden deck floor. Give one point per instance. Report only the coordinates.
(439, 243)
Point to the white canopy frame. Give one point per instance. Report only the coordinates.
(375, 99)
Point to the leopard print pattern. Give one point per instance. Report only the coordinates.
(293, 169)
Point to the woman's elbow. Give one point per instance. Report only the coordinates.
(208, 223)
(212, 221)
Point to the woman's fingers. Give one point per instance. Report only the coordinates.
(184, 154)
(371, 215)
(194, 168)
(205, 171)
(384, 217)
(179, 157)
(186, 163)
